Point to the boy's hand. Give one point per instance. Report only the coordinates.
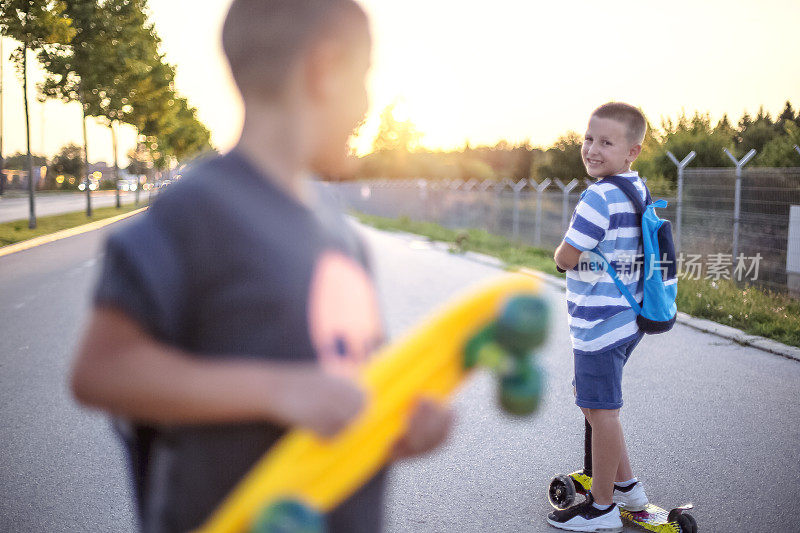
(320, 402)
(429, 426)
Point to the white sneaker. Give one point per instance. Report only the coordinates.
(631, 498)
(586, 517)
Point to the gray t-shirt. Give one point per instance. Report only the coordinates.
(225, 264)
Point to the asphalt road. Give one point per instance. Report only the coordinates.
(56, 203)
(707, 421)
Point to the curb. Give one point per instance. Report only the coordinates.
(740, 337)
(63, 234)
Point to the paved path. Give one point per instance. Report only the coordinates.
(708, 421)
(57, 203)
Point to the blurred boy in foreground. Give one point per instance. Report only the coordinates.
(241, 303)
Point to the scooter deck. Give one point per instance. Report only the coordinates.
(652, 517)
(429, 362)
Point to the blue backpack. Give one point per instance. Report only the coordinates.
(658, 310)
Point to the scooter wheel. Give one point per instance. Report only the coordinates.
(561, 492)
(288, 516)
(687, 523)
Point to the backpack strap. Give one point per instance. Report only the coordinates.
(621, 286)
(633, 195)
(631, 192)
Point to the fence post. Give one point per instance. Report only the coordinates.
(737, 200)
(422, 187)
(681, 165)
(565, 190)
(485, 209)
(453, 185)
(516, 187)
(539, 188)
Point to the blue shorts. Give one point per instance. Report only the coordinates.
(598, 377)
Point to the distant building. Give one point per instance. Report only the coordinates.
(107, 171)
(100, 171)
(18, 179)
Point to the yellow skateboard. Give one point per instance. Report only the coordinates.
(302, 476)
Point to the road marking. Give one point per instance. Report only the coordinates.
(63, 234)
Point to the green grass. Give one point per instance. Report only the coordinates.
(472, 240)
(16, 231)
(755, 311)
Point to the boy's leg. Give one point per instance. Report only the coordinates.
(624, 470)
(607, 447)
(593, 514)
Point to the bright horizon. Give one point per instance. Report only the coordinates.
(466, 72)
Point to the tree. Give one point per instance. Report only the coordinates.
(393, 142)
(140, 162)
(681, 137)
(564, 159)
(69, 161)
(166, 122)
(780, 151)
(725, 129)
(522, 161)
(393, 134)
(150, 96)
(2, 161)
(122, 61)
(19, 161)
(71, 68)
(786, 116)
(114, 54)
(755, 134)
(35, 24)
(187, 135)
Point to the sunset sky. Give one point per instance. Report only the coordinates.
(484, 71)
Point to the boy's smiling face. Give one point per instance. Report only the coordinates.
(607, 150)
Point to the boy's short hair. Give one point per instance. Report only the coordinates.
(262, 38)
(631, 117)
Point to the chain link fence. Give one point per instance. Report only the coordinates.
(767, 195)
(537, 214)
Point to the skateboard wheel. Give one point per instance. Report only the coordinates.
(561, 492)
(522, 325)
(687, 523)
(482, 349)
(521, 391)
(288, 516)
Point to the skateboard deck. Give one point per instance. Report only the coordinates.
(302, 472)
(562, 493)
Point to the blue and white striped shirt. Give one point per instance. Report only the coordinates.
(605, 220)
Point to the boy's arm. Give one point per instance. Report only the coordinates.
(120, 368)
(588, 227)
(566, 256)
